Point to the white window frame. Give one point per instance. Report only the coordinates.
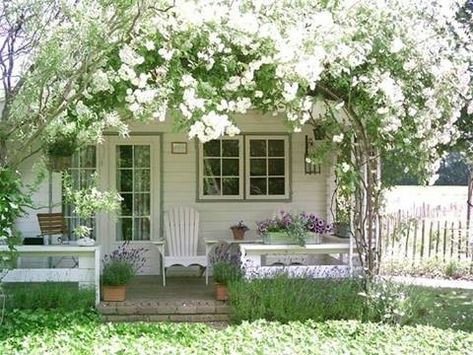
(285, 196)
(241, 177)
(245, 171)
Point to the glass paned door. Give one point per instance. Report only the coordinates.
(82, 173)
(133, 183)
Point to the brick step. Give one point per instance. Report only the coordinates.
(192, 318)
(176, 311)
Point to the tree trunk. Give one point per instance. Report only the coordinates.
(3, 152)
(366, 211)
(469, 202)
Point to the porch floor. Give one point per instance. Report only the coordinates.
(183, 299)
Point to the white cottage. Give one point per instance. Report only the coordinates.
(247, 177)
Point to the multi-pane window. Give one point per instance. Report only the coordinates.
(82, 172)
(221, 168)
(226, 168)
(267, 167)
(133, 181)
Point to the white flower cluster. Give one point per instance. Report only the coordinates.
(212, 126)
(402, 65)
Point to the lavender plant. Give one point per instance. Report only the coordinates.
(226, 262)
(121, 265)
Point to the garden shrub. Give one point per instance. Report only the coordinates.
(431, 267)
(287, 299)
(389, 302)
(49, 296)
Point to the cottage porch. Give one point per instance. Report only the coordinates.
(183, 299)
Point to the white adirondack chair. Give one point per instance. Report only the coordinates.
(181, 226)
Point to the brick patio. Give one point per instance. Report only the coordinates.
(184, 299)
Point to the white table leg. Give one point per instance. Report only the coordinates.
(97, 276)
(208, 246)
(163, 268)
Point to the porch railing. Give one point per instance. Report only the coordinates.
(86, 274)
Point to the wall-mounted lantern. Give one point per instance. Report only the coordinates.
(310, 168)
(319, 132)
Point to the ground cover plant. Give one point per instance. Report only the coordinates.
(83, 333)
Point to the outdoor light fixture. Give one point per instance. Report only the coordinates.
(319, 132)
(309, 167)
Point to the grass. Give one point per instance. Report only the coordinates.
(445, 308)
(82, 333)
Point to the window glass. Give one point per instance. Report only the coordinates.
(134, 185)
(221, 172)
(82, 173)
(262, 164)
(267, 167)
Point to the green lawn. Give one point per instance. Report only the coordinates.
(445, 308)
(76, 333)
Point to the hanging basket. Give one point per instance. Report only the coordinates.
(59, 163)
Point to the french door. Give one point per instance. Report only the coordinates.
(133, 166)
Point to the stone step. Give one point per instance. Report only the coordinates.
(193, 318)
(153, 311)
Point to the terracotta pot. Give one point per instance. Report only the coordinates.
(114, 293)
(221, 292)
(238, 233)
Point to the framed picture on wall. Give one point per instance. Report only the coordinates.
(179, 147)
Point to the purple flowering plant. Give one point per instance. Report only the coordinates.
(226, 262)
(294, 224)
(122, 264)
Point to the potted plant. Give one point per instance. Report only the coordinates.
(224, 273)
(342, 218)
(293, 228)
(226, 269)
(59, 150)
(239, 229)
(120, 267)
(342, 225)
